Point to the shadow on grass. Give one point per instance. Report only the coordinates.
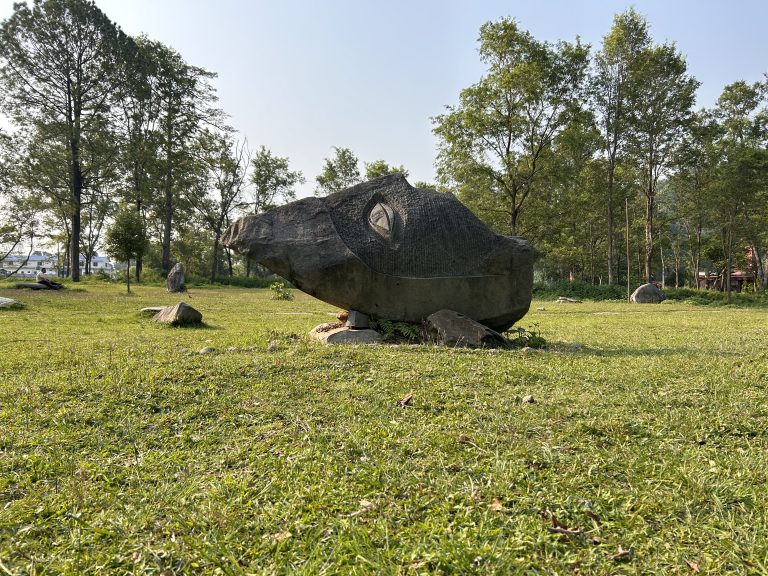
(640, 352)
(196, 326)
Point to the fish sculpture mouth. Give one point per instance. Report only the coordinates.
(386, 248)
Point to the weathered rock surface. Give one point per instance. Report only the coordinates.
(332, 333)
(357, 319)
(175, 280)
(566, 300)
(647, 294)
(390, 250)
(450, 328)
(181, 314)
(8, 303)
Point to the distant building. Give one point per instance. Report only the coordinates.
(40, 259)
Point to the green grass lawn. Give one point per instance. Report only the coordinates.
(125, 450)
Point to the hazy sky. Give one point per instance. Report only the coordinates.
(302, 76)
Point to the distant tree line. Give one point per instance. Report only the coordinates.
(601, 161)
(598, 158)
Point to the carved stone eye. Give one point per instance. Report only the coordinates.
(382, 218)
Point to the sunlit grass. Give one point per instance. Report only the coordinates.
(125, 450)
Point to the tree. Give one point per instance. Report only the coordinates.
(126, 239)
(690, 186)
(58, 63)
(137, 129)
(740, 193)
(272, 181)
(379, 168)
(610, 87)
(338, 173)
(661, 98)
(496, 144)
(185, 105)
(219, 190)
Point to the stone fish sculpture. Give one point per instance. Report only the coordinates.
(391, 250)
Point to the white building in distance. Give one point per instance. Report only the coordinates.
(40, 259)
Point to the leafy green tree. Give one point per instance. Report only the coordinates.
(379, 168)
(338, 173)
(185, 101)
(610, 85)
(218, 192)
(126, 239)
(272, 181)
(690, 187)
(137, 131)
(741, 194)
(58, 70)
(662, 97)
(497, 143)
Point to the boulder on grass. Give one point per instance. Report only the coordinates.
(333, 333)
(8, 303)
(450, 328)
(181, 314)
(647, 294)
(175, 280)
(32, 286)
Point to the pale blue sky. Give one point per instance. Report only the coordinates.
(302, 76)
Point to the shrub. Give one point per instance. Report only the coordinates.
(397, 330)
(280, 291)
(521, 338)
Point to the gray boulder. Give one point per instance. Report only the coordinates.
(387, 249)
(332, 333)
(450, 328)
(32, 286)
(647, 294)
(175, 281)
(8, 303)
(181, 314)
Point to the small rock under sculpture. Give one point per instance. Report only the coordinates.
(390, 250)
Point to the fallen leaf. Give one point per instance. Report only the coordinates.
(464, 439)
(280, 536)
(622, 554)
(495, 505)
(694, 566)
(365, 506)
(406, 401)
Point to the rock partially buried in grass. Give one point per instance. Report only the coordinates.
(389, 250)
(450, 328)
(181, 314)
(647, 294)
(332, 333)
(9, 303)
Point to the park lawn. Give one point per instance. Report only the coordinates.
(125, 450)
